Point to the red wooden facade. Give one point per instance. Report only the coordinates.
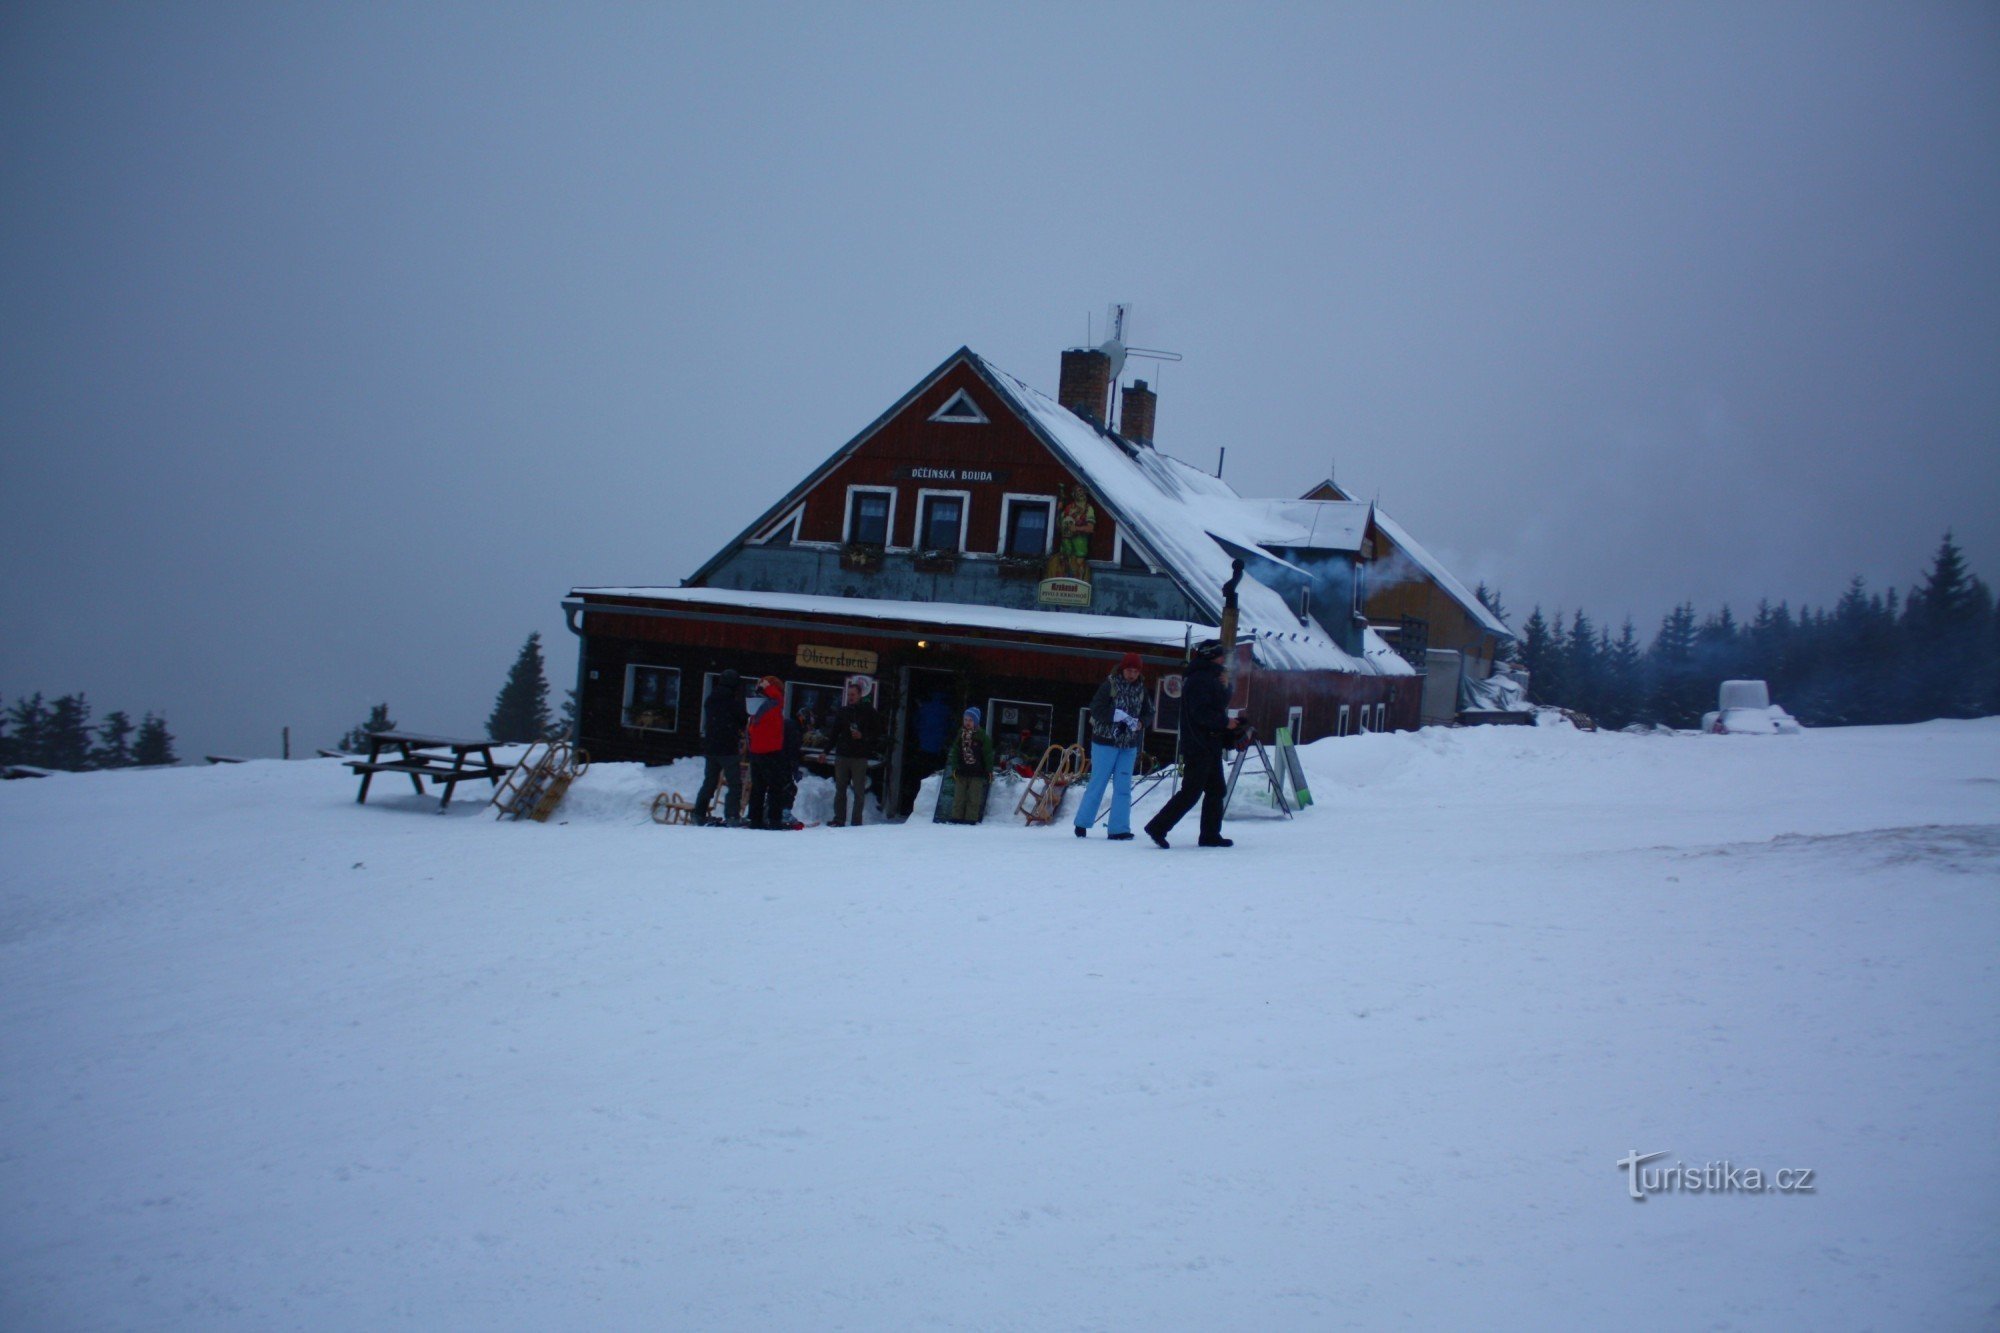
(910, 443)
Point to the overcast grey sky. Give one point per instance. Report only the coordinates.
(338, 342)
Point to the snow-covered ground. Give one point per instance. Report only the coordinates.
(272, 1059)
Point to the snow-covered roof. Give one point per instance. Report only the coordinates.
(1181, 516)
(1427, 562)
(934, 616)
(1309, 525)
(942, 617)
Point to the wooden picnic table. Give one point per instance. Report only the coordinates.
(445, 760)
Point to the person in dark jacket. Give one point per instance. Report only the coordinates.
(1119, 716)
(971, 760)
(722, 749)
(797, 727)
(766, 733)
(851, 732)
(1206, 729)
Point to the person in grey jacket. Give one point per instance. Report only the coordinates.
(1119, 716)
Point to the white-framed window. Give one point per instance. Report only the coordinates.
(1027, 524)
(961, 409)
(1381, 717)
(820, 699)
(1129, 554)
(1020, 729)
(1362, 719)
(1295, 722)
(784, 532)
(871, 515)
(1341, 724)
(652, 697)
(1083, 736)
(941, 519)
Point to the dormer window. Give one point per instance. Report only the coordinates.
(961, 409)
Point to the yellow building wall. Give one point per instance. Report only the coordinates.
(1451, 626)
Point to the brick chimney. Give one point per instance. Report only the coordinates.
(1135, 418)
(1085, 388)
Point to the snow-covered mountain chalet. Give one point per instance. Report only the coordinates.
(982, 543)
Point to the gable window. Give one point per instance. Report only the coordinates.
(941, 520)
(786, 531)
(1026, 522)
(869, 512)
(1127, 555)
(960, 408)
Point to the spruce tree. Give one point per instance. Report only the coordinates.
(521, 712)
(356, 740)
(1948, 621)
(1624, 683)
(67, 743)
(569, 725)
(114, 742)
(1509, 651)
(1676, 698)
(155, 744)
(1580, 667)
(1538, 656)
(28, 719)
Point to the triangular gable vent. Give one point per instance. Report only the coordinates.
(960, 407)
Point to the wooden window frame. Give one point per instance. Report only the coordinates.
(632, 670)
(1008, 501)
(847, 515)
(978, 417)
(924, 496)
(1118, 548)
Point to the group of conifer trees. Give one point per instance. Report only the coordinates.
(39, 734)
(520, 713)
(1872, 657)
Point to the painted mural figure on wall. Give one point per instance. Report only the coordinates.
(1074, 526)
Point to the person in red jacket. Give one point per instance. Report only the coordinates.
(768, 779)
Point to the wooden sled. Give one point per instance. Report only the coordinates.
(536, 785)
(670, 807)
(1060, 766)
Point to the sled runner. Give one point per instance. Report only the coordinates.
(535, 786)
(1060, 766)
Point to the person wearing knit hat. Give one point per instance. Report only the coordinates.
(1119, 715)
(971, 759)
(1206, 730)
(766, 744)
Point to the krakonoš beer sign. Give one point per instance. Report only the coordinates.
(1063, 592)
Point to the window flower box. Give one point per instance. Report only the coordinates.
(861, 557)
(935, 562)
(1022, 566)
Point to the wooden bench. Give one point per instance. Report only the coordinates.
(443, 759)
